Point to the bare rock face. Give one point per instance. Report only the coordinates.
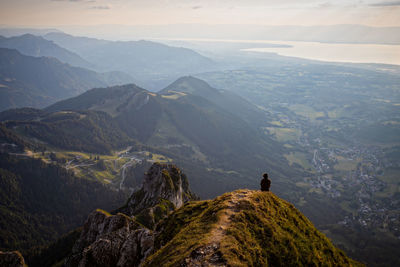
(127, 238)
(205, 256)
(111, 240)
(162, 182)
(11, 259)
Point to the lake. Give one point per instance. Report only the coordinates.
(334, 52)
(355, 53)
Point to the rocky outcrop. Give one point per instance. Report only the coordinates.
(162, 182)
(111, 240)
(127, 238)
(11, 259)
(240, 228)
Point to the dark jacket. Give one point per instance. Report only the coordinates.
(265, 184)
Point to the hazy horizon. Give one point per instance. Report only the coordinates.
(122, 106)
(152, 12)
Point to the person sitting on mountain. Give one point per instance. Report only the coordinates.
(265, 183)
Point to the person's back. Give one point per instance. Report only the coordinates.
(265, 183)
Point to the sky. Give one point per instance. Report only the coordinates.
(53, 13)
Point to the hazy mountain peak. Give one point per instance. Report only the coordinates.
(27, 36)
(112, 100)
(28, 81)
(191, 85)
(32, 45)
(154, 63)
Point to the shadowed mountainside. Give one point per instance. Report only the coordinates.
(27, 81)
(153, 64)
(37, 46)
(192, 130)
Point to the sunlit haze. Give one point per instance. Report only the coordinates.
(199, 133)
(46, 13)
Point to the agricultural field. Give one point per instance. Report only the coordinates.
(284, 134)
(108, 169)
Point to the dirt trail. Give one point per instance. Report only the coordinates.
(209, 255)
(225, 219)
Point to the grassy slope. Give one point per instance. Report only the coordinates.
(261, 230)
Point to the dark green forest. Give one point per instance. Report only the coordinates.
(40, 201)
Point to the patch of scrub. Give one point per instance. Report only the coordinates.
(344, 164)
(299, 158)
(306, 111)
(284, 134)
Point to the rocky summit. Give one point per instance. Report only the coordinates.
(163, 224)
(162, 183)
(242, 228)
(126, 238)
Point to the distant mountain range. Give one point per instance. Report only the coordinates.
(210, 133)
(12, 31)
(154, 64)
(27, 81)
(342, 33)
(207, 138)
(216, 136)
(37, 46)
(210, 124)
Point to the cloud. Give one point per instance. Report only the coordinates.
(100, 7)
(387, 3)
(196, 7)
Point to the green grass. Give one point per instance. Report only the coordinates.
(159, 158)
(306, 111)
(277, 123)
(264, 231)
(104, 212)
(346, 164)
(299, 158)
(106, 172)
(184, 230)
(303, 185)
(173, 95)
(269, 231)
(284, 134)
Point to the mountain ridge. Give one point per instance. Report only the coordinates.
(204, 137)
(37, 46)
(27, 81)
(246, 228)
(228, 100)
(188, 128)
(153, 64)
(239, 228)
